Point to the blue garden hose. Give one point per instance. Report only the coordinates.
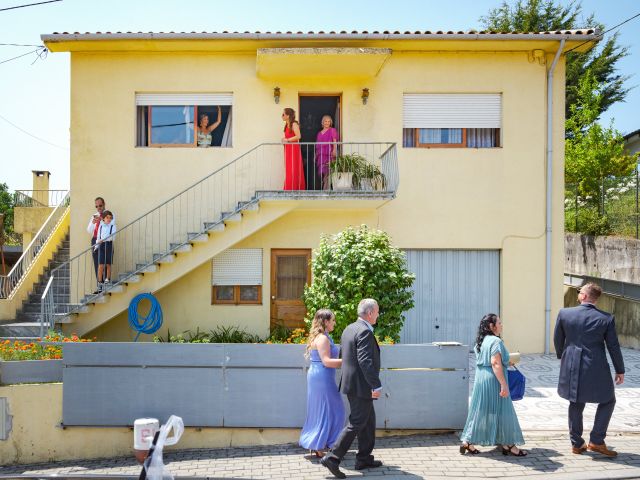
(152, 322)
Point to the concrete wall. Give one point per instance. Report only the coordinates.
(615, 258)
(627, 313)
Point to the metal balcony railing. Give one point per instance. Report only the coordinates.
(363, 170)
(38, 198)
(11, 281)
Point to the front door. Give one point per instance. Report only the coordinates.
(290, 272)
(312, 108)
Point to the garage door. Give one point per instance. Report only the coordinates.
(452, 291)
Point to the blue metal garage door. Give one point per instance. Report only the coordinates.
(452, 291)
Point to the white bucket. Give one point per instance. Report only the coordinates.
(144, 430)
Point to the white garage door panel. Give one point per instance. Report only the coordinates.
(452, 291)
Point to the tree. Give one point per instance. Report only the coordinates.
(593, 152)
(6, 207)
(550, 15)
(355, 264)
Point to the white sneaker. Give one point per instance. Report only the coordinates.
(107, 281)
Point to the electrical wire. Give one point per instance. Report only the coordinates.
(598, 37)
(31, 135)
(19, 45)
(41, 54)
(28, 5)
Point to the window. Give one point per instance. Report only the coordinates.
(451, 120)
(236, 277)
(183, 120)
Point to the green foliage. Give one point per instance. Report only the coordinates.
(593, 153)
(6, 208)
(589, 222)
(361, 169)
(355, 264)
(550, 15)
(220, 334)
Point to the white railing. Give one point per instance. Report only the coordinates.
(47, 310)
(10, 282)
(257, 174)
(38, 198)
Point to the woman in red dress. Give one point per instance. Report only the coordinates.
(294, 173)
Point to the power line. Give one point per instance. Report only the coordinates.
(18, 45)
(602, 34)
(28, 5)
(33, 136)
(40, 52)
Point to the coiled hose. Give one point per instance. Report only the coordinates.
(145, 324)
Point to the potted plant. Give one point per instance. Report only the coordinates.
(371, 178)
(345, 171)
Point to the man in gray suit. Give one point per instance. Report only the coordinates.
(580, 338)
(360, 381)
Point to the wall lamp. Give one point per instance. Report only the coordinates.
(276, 94)
(365, 95)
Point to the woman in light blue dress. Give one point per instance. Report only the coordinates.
(325, 410)
(492, 419)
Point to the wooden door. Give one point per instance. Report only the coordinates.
(290, 272)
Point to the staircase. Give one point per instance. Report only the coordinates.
(27, 324)
(193, 226)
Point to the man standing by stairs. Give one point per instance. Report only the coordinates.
(92, 229)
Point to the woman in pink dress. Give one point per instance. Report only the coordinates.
(326, 153)
(294, 173)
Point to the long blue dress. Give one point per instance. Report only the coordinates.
(325, 410)
(492, 419)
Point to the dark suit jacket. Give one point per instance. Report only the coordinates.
(360, 360)
(580, 337)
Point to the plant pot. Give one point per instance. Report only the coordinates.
(366, 185)
(30, 371)
(341, 181)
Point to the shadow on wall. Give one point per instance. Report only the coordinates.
(627, 315)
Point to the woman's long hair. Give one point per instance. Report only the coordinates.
(291, 117)
(485, 328)
(318, 327)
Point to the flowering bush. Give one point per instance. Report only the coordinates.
(38, 350)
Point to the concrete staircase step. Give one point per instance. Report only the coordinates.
(20, 329)
(248, 206)
(197, 237)
(231, 217)
(180, 247)
(113, 288)
(146, 268)
(214, 226)
(129, 277)
(164, 257)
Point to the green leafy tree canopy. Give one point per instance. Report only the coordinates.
(593, 152)
(6, 208)
(355, 264)
(551, 15)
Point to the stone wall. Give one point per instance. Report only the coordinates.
(615, 258)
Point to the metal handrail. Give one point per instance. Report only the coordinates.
(29, 198)
(47, 309)
(209, 202)
(10, 282)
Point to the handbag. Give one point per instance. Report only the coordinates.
(516, 384)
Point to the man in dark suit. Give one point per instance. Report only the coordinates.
(360, 381)
(580, 338)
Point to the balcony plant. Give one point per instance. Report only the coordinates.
(345, 171)
(371, 178)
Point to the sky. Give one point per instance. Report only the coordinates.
(34, 93)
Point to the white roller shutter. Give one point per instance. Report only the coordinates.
(237, 266)
(452, 110)
(166, 99)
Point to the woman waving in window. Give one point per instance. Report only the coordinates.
(204, 129)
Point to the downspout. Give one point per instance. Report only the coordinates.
(547, 292)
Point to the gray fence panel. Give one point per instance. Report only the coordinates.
(116, 396)
(425, 386)
(424, 356)
(415, 398)
(147, 354)
(265, 397)
(264, 355)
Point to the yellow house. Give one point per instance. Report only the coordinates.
(464, 128)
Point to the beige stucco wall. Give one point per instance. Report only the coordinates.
(448, 198)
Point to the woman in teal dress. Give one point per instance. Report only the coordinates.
(492, 419)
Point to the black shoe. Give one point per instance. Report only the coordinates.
(371, 464)
(333, 466)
